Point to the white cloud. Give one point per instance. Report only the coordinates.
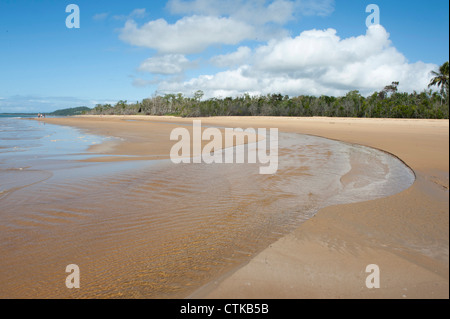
(211, 22)
(313, 7)
(237, 82)
(368, 62)
(166, 64)
(100, 16)
(316, 62)
(241, 56)
(138, 13)
(135, 14)
(316, 51)
(260, 12)
(253, 11)
(227, 83)
(188, 35)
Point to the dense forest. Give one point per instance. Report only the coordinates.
(388, 103)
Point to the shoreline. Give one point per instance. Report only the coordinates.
(305, 255)
(134, 143)
(406, 234)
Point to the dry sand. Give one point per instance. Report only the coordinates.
(406, 235)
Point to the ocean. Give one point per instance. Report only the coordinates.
(153, 229)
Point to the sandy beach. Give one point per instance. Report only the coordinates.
(406, 235)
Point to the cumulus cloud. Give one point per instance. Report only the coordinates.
(239, 57)
(366, 62)
(315, 62)
(227, 83)
(188, 35)
(210, 22)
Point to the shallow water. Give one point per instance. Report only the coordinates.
(154, 229)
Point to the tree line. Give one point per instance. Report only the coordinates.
(70, 111)
(388, 103)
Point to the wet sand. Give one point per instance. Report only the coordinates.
(149, 229)
(406, 235)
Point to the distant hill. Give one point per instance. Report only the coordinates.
(71, 111)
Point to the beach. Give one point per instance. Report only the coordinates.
(140, 226)
(406, 235)
(191, 153)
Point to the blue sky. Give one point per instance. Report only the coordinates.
(131, 50)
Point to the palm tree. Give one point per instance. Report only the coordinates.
(441, 78)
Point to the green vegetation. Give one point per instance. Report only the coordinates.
(71, 111)
(441, 80)
(388, 103)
